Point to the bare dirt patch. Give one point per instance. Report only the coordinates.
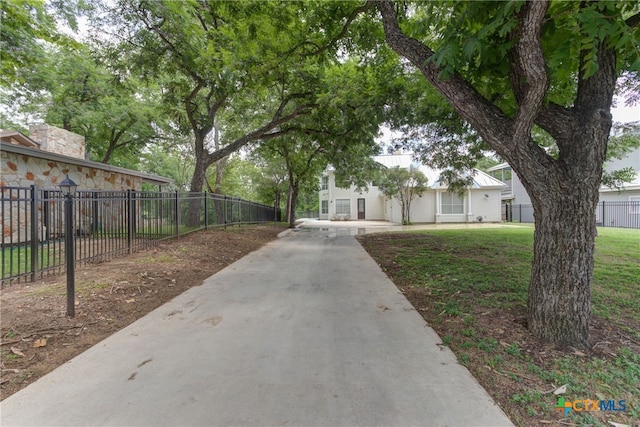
(36, 334)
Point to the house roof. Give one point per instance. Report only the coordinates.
(479, 178)
(17, 138)
(498, 167)
(22, 150)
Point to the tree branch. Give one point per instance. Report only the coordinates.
(529, 75)
(155, 28)
(189, 106)
(368, 5)
(260, 133)
(488, 120)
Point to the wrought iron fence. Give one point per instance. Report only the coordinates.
(625, 214)
(106, 224)
(307, 214)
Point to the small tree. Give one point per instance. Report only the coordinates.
(404, 185)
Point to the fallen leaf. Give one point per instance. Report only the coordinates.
(561, 390)
(618, 424)
(17, 351)
(42, 342)
(579, 353)
(129, 301)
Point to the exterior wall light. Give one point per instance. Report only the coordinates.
(68, 187)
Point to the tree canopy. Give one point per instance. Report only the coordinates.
(318, 78)
(508, 68)
(403, 185)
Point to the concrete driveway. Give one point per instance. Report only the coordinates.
(307, 331)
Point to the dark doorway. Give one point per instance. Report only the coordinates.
(361, 214)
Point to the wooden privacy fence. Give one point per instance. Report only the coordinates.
(106, 224)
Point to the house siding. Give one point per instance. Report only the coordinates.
(424, 209)
(519, 196)
(618, 196)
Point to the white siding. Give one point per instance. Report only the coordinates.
(486, 207)
(424, 209)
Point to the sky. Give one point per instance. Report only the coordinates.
(626, 114)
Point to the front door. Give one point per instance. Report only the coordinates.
(361, 209)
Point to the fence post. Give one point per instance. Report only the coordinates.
(176, 206)
(225, 212)
(206, 214)
(604, 224)
(95, 218)
(34, 232)
(129, 221)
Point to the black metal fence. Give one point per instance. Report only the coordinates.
(106, 224)
(625, 214)
(307, 214)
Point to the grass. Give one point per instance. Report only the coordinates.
(470, 285)
(17, 260)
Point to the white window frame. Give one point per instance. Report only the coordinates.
(324, 207)
(324, 183)
(447, 206)
(340, 204)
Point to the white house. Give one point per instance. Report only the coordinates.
(616, 205)
(437, 205)
(515, 193)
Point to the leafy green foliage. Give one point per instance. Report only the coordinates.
(25, 24)
(475, 40)
(404, 185)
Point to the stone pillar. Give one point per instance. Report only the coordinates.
(59, 141)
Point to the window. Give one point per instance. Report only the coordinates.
(451, 203)
(324, 207)
(325, 183)
(634, 205)
(343, 206)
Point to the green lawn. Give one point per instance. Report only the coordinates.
(17, 260)
(471, 286)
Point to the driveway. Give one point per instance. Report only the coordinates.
(307, 331)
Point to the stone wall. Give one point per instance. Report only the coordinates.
(56, 140)
(23, 171)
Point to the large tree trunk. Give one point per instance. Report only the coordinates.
(559, 304)
(276, 199)
(292, 199)
(564, 202)
(197, 182)
(217, 189)
(564, 191)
